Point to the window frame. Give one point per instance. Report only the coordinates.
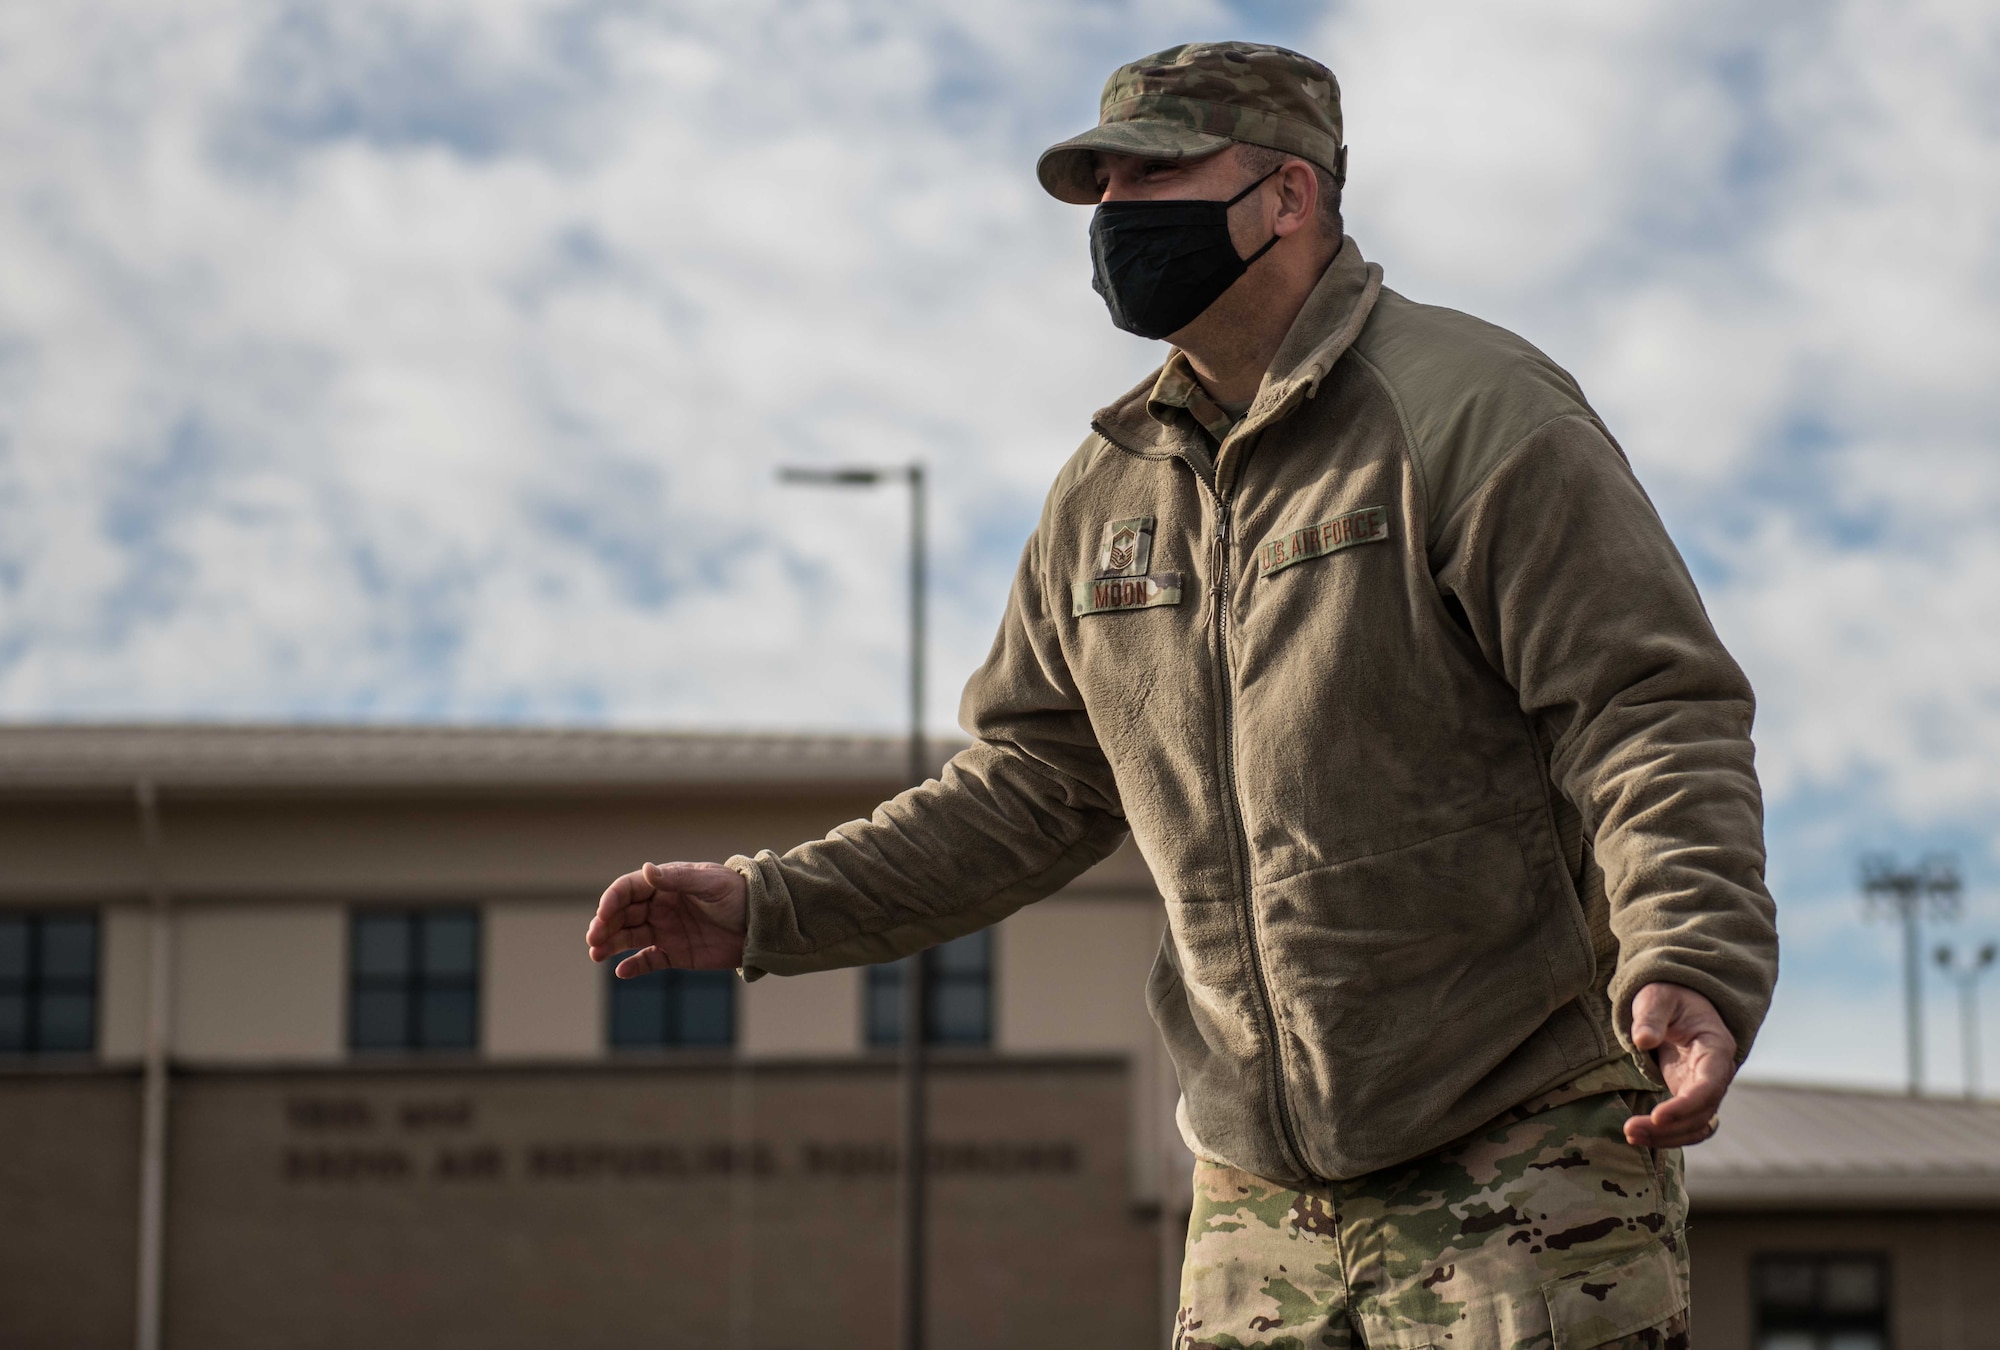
(415, 981)
(670, 980)
(1820, 1322)
(937, 980)
(33, 985)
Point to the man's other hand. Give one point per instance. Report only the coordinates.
(690, 915)
(1697, 1058)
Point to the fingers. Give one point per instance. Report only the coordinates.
(611, 927)
(1697, 1056)
(1698, 1088)
(1686, 1030)
(1685, 1118)
(1652, 1012)
(1673, 1130)
(643, 962)
(1641, 1131)
(694, 912)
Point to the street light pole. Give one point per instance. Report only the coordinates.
(1967, 980)
(916, 997)
(913, 1098)
(919, 581)
(156, 1083)
(1907, 893)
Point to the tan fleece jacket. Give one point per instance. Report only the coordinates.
(1412, 709)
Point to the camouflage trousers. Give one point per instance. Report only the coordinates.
(1543, 1231)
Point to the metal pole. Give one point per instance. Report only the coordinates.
(1980, 965)
(919, 769)
(742, 1205)
(153, 1128)
(915, 1000)
(1968, 1012)
(1913, 998)
(1967, 980)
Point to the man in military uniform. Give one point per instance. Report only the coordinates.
(1355, 618)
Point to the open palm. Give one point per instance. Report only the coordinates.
(690, 915)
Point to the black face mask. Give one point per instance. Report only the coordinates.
(1160, 264)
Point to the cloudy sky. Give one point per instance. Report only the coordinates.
(431, 360)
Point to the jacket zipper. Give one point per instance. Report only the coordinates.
(1239, 836)
(1233, 804)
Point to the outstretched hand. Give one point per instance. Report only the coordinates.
(691, 915)
(1697, 1058)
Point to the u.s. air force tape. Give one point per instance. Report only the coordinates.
(1317, 540)
(1108, 594)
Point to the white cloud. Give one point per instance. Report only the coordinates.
(1496, 144)
(411, 359)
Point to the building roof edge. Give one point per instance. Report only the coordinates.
(86, 756)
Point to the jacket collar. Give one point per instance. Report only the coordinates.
(1153, 419)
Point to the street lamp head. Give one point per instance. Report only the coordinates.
(1933, 886)
(849, 477)
(1880, 877)
(1940, 873)
(1975, 962)
(1943, 886)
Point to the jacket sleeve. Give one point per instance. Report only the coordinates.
(1572, 588)
(1026, 808)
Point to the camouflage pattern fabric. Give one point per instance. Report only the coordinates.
(1544, 1231)
(1193, 100)
(1177, 387)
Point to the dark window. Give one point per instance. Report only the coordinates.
(1822, 1302)
(48, 983)
(415, 980)
(673, 1007)
(958, 986)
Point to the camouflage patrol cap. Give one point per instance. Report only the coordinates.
(1193, 100)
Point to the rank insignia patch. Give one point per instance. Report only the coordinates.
(1366, 526)
(1107, 595)
(1127, 548)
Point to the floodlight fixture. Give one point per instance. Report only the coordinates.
(1908, 894)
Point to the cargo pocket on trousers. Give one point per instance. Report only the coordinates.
(1616, 1298)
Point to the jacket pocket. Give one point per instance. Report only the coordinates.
(1414, 990)
(1616, 1298)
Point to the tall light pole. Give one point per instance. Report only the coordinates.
(915, 1000)
(1907, 893)
(153, 1101)
(1967, 980)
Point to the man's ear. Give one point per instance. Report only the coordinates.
(1298, 197)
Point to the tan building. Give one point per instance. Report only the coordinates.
(404, 1110)
(1846, 1220)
